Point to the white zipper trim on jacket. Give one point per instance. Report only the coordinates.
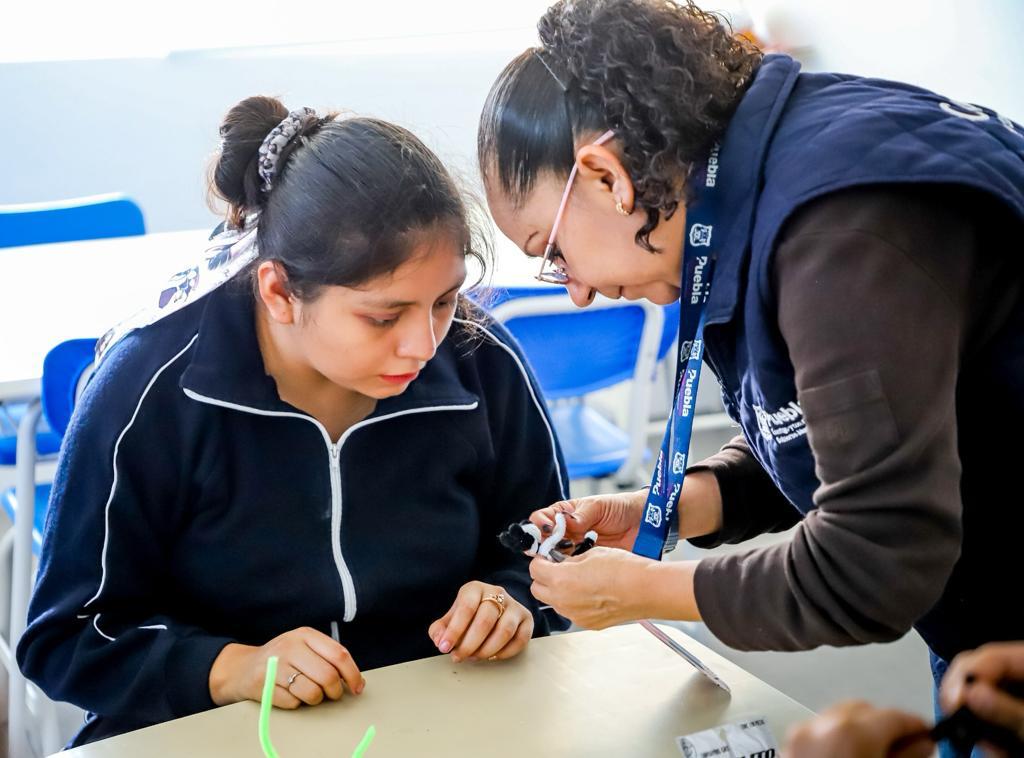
(114, 479)
(334, 453)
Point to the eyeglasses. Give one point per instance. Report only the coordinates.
(551, 272)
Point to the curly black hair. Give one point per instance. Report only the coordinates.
(665, 76)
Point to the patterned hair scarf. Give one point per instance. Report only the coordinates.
(227, 254)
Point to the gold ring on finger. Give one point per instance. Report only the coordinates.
(498, 599)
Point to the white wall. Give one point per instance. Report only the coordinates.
(147, 126)
(970, 51)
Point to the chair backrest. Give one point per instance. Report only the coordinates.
(84, 218)
(575, 351)
(66, 369)
(494, 297)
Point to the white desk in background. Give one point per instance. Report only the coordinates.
(67, 290)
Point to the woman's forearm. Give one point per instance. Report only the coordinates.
(665, 591)
(700, 507)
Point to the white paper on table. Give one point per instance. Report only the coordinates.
(750, 738)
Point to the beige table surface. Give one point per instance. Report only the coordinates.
(617, 692)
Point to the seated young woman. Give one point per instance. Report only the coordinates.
(306, 449)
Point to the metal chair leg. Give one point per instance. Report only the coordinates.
(6, 573)
(22, 573)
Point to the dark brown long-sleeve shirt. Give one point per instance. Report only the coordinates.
(901, 308)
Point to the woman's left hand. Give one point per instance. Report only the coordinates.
(856, 729)
(598, 589)
(475, 628)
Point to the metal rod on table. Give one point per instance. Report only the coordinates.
(693, 660)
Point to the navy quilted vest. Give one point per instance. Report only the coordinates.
(796, 137)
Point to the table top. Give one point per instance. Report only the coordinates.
(618, 692)
(68, 290)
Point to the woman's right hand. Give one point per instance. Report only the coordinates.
(323, 666)
(615, 517)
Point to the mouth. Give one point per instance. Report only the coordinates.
(399, 378)
(611, 294)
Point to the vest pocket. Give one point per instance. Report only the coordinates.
(850, 426)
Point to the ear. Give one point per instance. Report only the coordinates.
(272, 283)
(601, 169)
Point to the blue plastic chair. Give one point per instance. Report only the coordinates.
(63, 368)
(575, 352)
(47, 441)
(493, 297)
(66, 369)
(83, 218)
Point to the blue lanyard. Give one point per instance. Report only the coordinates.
(698, 267)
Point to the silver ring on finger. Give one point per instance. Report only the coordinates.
(292, 678)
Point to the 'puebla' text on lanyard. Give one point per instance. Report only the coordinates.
(698, 266)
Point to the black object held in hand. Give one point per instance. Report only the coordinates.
(963, 730)
(589, 540)
(516, 538)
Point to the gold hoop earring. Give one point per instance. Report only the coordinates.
(619, 207)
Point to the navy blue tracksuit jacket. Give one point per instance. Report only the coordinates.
(192, 508)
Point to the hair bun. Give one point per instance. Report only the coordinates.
(236, 173)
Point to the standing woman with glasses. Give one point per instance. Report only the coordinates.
(848, 253)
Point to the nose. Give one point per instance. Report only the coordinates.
(579, 293)
(419, 340)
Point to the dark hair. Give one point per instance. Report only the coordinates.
(350, 200)
(665, 76)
